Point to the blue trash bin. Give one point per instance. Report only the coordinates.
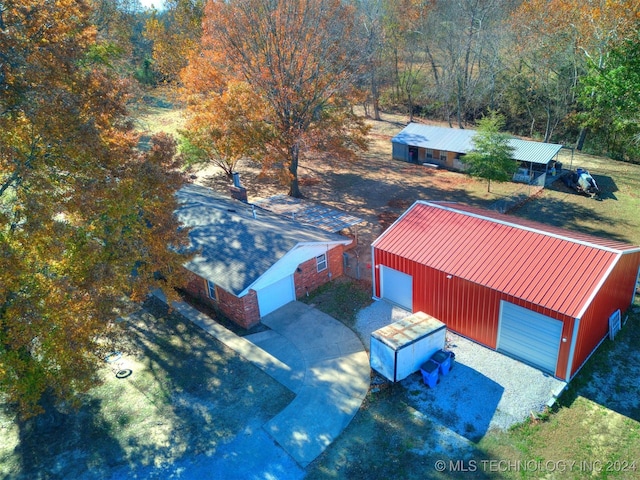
(430, 373)
(443, 359)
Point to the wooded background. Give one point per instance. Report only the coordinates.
(563, 71)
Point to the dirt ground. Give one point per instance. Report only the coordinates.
(375, 187)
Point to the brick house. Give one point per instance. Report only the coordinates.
(251, 261)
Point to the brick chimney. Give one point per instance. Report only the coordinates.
(238, 192)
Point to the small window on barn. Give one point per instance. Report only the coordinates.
(211, 290)
(614, 324)
(443, 156)
(429, 153)
(321, 262)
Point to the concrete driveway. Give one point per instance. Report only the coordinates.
(319, 359)
(334, 374)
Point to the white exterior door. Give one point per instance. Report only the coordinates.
(276, 295)
(396, 287)
(529, 336)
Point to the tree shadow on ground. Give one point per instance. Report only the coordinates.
(462, 391)
(54, 444)
(390, 439)
(606, 184)
(352, 189)
(187, 395)
(573, 216)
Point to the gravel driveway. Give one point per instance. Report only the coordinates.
(484, 390)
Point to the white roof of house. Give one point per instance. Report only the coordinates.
(461, 141)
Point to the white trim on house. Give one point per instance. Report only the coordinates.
(572, 350)
(382, 235)
(597, 288)
(290, 261)
(321, 262)
(211, 290)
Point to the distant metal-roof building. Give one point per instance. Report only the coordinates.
(441, 145)
(542, 294)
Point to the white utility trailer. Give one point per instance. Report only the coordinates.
(399, 349)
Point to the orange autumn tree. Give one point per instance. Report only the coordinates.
(555, 38)
(301, 57)
(174, 33)
(223, 128)
(85, 219)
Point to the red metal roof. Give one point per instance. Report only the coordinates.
(548, 266)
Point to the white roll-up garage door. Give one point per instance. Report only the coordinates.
(529, 336)
(276, 295)
(397, 287)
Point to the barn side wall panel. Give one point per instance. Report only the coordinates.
(467, 308)
(616, 293)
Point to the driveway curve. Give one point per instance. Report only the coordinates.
(314, 355)
(334, 379)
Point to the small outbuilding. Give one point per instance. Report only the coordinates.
(544, 295)
(446, 147)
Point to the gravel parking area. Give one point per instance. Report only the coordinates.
(484, 390)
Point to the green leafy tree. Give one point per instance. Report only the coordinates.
(491, 157)
(611, 97)
(85, 218)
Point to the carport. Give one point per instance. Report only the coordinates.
(446, 147)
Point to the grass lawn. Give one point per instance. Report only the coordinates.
(595, 423)
(614, 216)
(342, 299)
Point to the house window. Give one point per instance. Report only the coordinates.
(211, 290)
(321, 262)
(429, 153)
(443, 156)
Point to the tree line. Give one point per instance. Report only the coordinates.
(558, 70)
(562, 71)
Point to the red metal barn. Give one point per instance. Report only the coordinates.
(538, 293)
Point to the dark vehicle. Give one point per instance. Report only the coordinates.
(581, 181)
